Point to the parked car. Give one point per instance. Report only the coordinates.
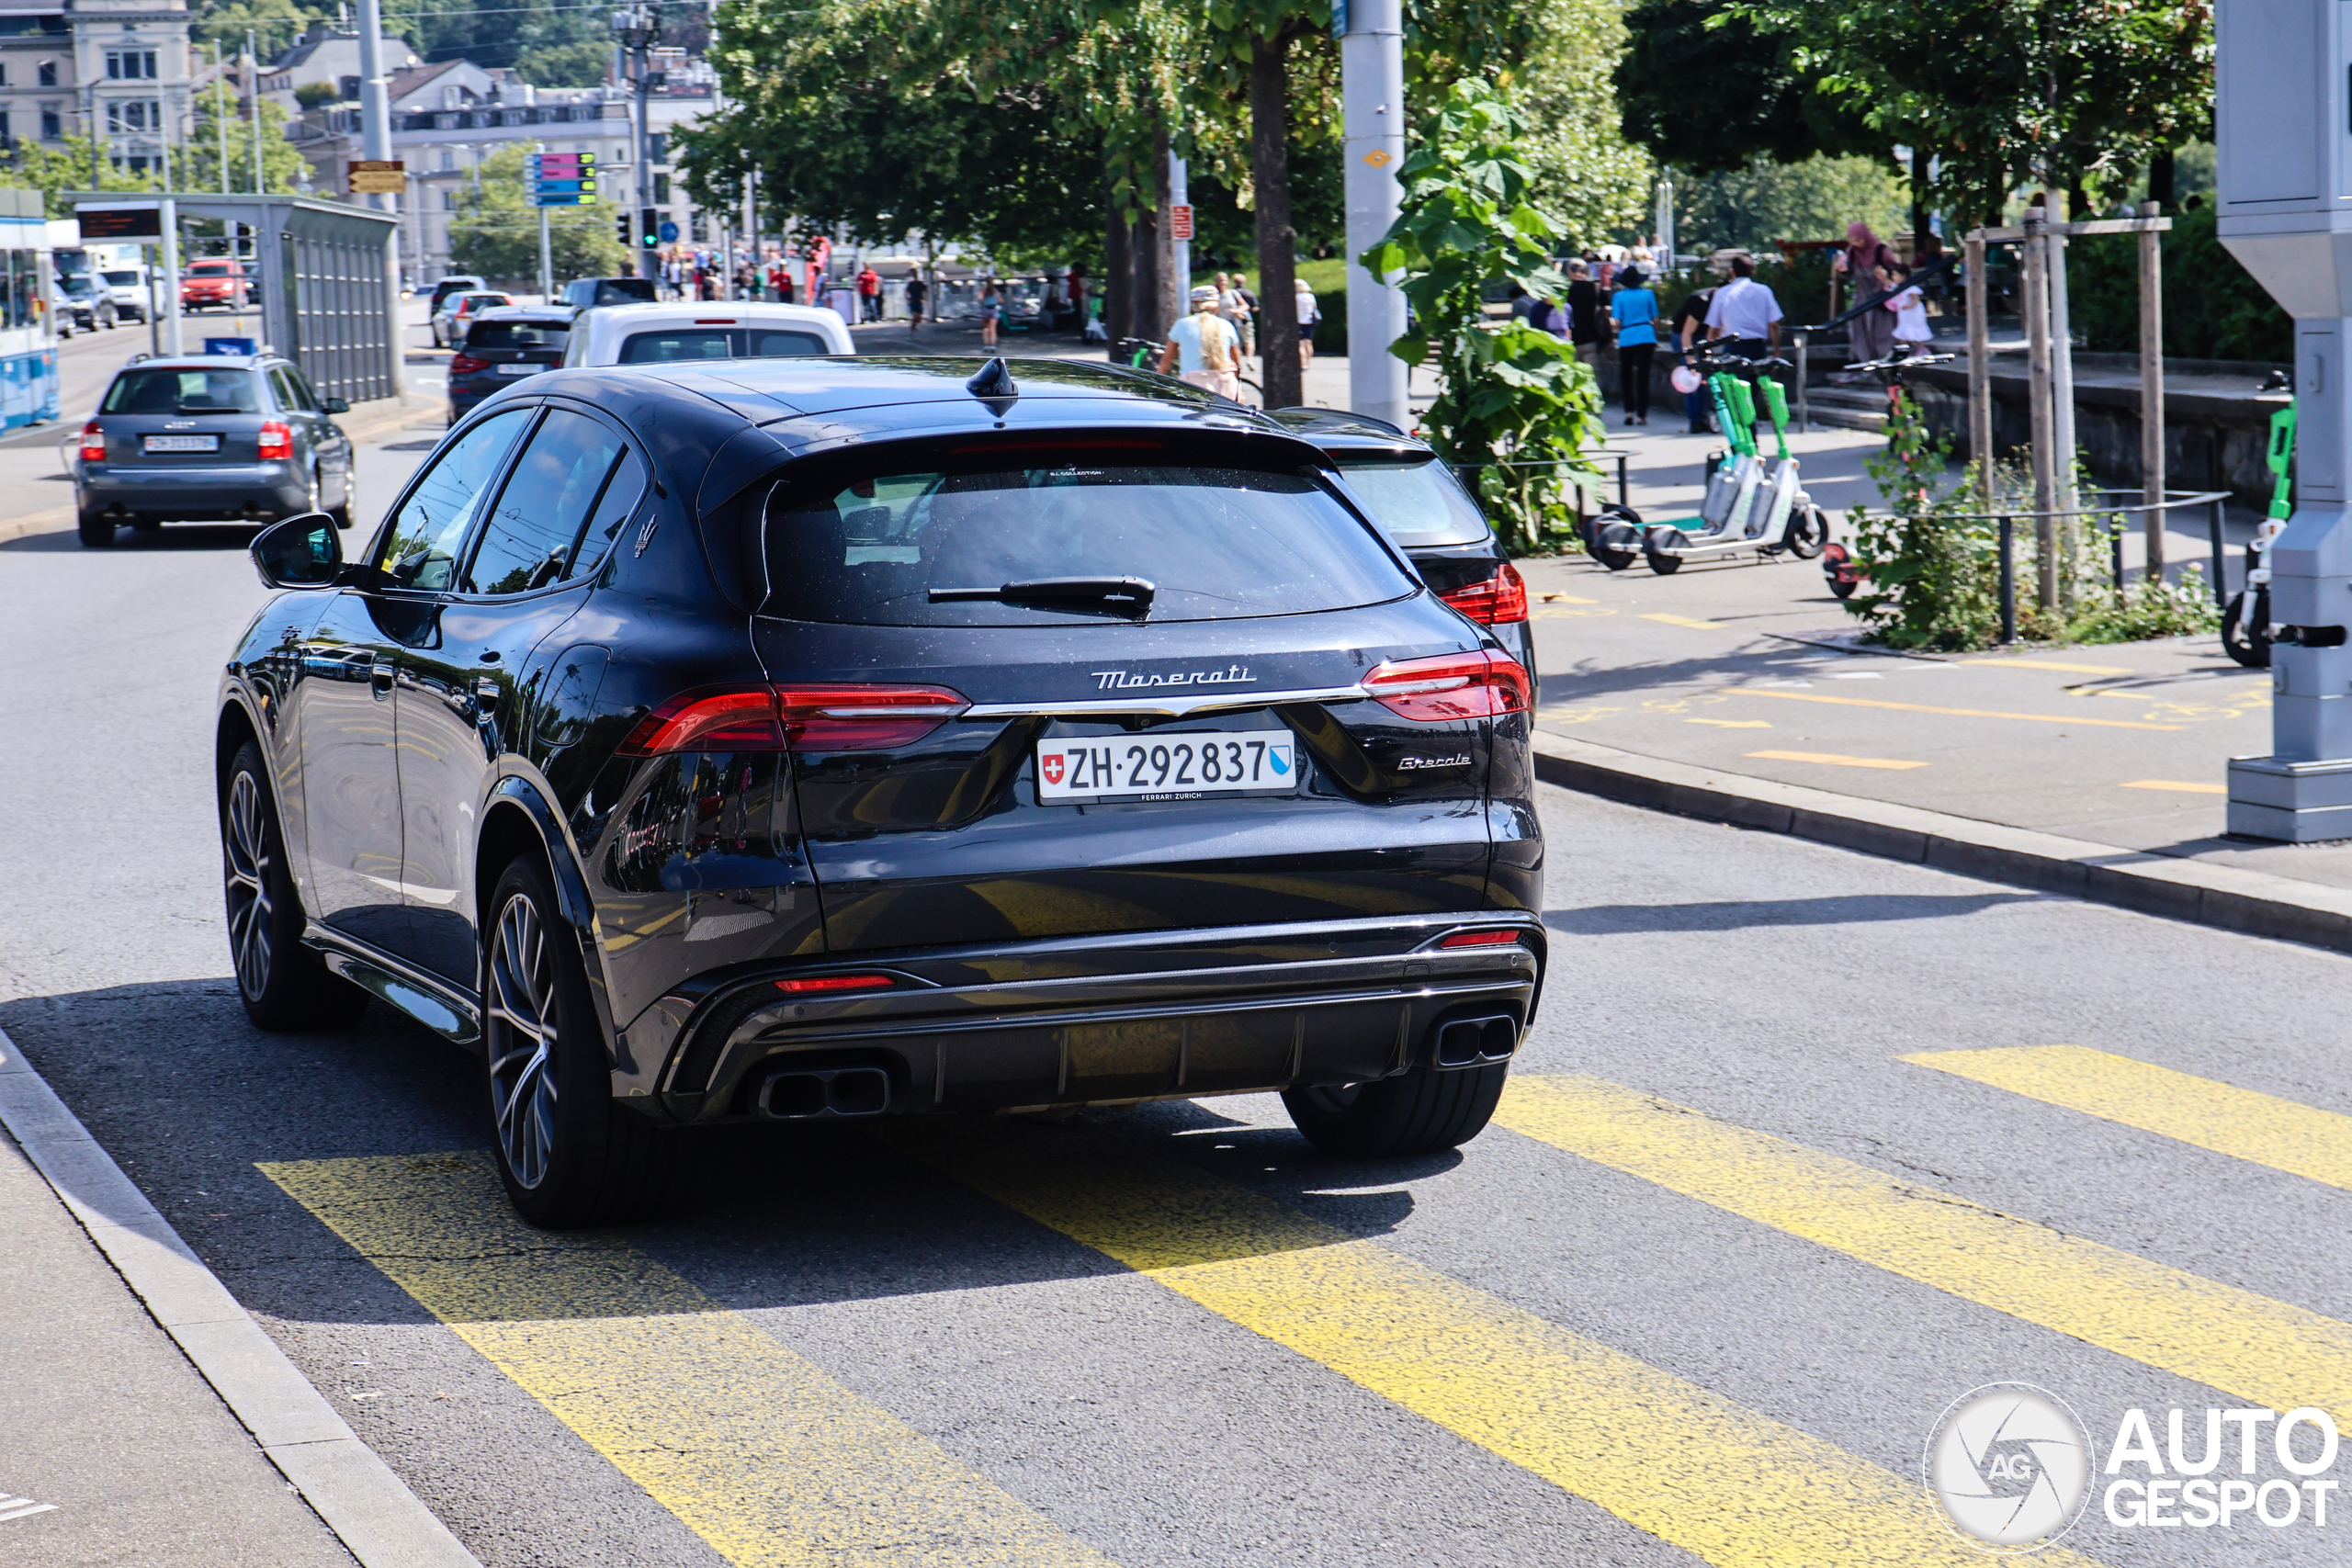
(214, 281)
(1423, 507)
(219, 437)
(592, 293)
(668, 334)
(454, 314)
(812, 738)
(454, 283)
(80, 297)
(500, 347)
(127, 287)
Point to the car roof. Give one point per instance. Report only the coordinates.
(551, 315)
(205, 362)
(709, 312)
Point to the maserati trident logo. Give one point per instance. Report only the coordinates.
(1128, 680)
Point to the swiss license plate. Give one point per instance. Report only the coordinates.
(182, 444)
(1166, 767)
(520, 369)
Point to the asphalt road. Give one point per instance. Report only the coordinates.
(1698, 1296)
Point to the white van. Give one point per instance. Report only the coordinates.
(127, 287)
(684, 331)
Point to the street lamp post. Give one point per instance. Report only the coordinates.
(1371, 93)
(636, 31)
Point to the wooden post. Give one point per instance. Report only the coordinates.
(2036, 308)
(1980, 372)
(2152, 389)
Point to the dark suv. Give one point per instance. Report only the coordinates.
(815, 738)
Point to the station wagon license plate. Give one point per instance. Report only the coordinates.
(520, 369)
(181, 444)
(1166, 767)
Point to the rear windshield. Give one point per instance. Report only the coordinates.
(1215, 543)
(121, 279)
(720, 343)
(184, 391)
(212, 269)
(79, 283)
(1418, 504)
(515, 335)
(624, 291)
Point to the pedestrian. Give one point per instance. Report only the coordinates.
(1689, 322)
(1871, 333)
(1911, 332)
(869, 293)
(916, 294)
(1634, 310)
(1308, 314)
(1743, 316)
(1549, 316)
(1203, 348)
(1584, 313)
(991, 307)
(1247, 324)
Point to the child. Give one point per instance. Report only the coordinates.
(1912, 333)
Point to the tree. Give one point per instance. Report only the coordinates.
(497, 234)
(196, 161)
(1588, 174)
(1513, 394)
(1706, 86)
(55, 167)
(1751, 206)
(2070, 91)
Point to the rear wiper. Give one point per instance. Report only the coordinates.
(1117, 593)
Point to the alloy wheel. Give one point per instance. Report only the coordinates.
(245, 840)
(522, 1041)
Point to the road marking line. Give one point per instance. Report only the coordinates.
(1733, 723)
(1957, 713)
(1727, 1484)
(1835, 760)
(2208, 1332)
(1684, 621)
(2179, 786)
(759, 1451)
(2240, 1123)
(22, 1508)
(2049, 664)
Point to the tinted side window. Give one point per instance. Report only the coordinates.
(307, 399)
(1418, 504)
(528, 540)
(283, 389)
(421, 547)
(612, 513)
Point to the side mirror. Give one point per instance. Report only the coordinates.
(335, 405)
(302, 552)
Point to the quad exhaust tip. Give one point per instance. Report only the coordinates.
(1476, 1042)
(809, 1094)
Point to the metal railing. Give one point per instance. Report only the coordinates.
(2212, 500)
(1804, 334)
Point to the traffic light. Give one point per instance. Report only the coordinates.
(620, 229)
(649, 227)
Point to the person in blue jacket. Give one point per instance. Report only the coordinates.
(1634, 310)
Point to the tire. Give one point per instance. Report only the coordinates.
(567, 1154)
(1837, 569)
(1663, 560)
(1808, 532)
(2247, 645)
(97, 532)
(1615, 544)
(283, 985)
(342, 515)
(1423, 1112)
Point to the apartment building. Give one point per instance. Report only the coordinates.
(119, 70)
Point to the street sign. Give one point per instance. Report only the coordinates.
(559, 179)
(377, 177)
(1180, 222)
(669, 233)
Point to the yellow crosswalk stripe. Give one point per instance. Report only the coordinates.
(759, 1451)
(2179, 786)
(2263, 1350)
(1955, 712)
(2048, 664)
(1728, 1486)
(2239, 1122)
(1837, 760)
(1685, 621)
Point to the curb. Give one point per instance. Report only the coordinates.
(370, 1509)
(2253, 903)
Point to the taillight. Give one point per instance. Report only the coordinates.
(467, 365)
(1497, 601)
(1479, 938)
(802, 718)
(836, 983)
(277, 440)
(1451, 685)
(93, 443)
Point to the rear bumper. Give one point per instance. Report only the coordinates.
(239, 491)
(1093, 1020)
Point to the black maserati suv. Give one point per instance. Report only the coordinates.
(822, 738)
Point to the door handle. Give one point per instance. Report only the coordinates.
(380, 680)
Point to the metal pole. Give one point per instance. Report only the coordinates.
(2062, 369)
(252, 53)
(1805, 364)
(221, 113)
(1179, 194)
(1371, 90)
(2152, 389)
(2009, 579)
(2221, 563)
(2036, 304)
(173, 343)
(546, 260)
(751, 235)
(1980, 368)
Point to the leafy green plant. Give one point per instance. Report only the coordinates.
(1517, 411)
